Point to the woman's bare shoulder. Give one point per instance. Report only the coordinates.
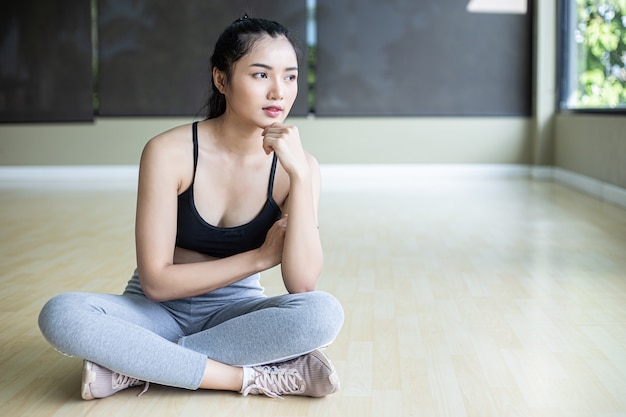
(172, 138)
(169, 155)
(171, 144)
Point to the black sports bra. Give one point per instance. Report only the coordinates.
(196, 234)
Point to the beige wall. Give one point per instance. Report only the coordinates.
(332, 140)
(592, 145)
(105, 142)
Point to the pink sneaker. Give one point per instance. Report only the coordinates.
(311, 375)
(99, 382)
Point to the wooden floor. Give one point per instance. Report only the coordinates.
(463, 298)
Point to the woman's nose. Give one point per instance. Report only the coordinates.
(276, 91)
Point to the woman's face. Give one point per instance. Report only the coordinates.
(263, 84)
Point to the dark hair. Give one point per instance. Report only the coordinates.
(234, 43)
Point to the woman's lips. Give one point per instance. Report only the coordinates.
(273, 111)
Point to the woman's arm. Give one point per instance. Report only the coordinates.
(302, 253)
(164, 165)
(302, 256)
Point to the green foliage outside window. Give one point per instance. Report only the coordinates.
(601, 40)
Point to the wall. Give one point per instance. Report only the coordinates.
(592, 145)
(332, 140)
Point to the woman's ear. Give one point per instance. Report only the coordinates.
(219, 79)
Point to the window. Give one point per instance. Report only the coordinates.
(45, 61)
(423, 58)
(66, 60)
(153, 56)
(593, 64)
(70, 60)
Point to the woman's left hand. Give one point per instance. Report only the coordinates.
(285, 141)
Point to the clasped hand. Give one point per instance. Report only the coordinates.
(285, 141)
(272, 248)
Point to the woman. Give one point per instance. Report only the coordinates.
(218, 202)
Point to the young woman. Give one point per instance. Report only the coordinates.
(218, 202)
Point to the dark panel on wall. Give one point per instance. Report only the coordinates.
(424, 58)
(45, 61)
(155, 55)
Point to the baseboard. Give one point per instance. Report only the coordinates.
(599, 189)
(367, 175)
(78, 177)
(338, 176)
(342, 176)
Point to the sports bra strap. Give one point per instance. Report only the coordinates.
(195, 150)
(270, 188)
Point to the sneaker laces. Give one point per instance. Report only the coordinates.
(123, 381)
(274, 381)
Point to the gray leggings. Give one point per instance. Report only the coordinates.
(168, 343)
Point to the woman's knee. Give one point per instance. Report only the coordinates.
(55, 309)
(328, 305)
(56, 319)
(326, 314)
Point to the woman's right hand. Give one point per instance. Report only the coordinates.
(271, 251)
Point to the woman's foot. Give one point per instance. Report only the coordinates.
(99, 382)
(311, 375)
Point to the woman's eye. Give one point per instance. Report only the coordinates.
(292, 77)
(260, 75)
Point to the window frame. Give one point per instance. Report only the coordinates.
(566, 12)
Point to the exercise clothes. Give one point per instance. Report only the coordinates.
(196, 234)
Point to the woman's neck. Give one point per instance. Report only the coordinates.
(237, 138)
